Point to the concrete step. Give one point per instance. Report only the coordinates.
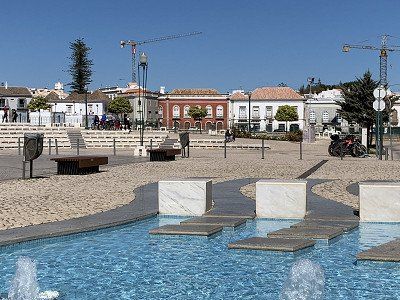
(346, 226)
(386, 252)
(201, 230)
(324, 233)
(272, 244)
(219, 221)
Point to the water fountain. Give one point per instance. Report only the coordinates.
(306, 281)
(24, 285)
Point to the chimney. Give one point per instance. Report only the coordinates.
(162, 89)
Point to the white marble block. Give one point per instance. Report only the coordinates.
(281, 199)
(184, 197)
(140, 151)
(379, 201)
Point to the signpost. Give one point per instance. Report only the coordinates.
(379, 105)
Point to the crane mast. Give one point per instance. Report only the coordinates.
(134, 44)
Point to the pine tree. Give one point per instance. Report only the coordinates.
(357, 104)
(80, 67)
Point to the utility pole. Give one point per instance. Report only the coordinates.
(383, 55)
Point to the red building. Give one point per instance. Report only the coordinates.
(174, 108)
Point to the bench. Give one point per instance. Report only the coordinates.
(79, 165)
(163, 154)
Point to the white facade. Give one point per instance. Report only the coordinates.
(262, 112)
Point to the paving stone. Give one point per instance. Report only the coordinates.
(324, 233)
(345, 225)
(272, 244)
(203, 230)
(385, 252)
(221, 221)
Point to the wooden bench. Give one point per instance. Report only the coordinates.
(79, 165)
(163, 154)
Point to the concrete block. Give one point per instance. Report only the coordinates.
(140, 151)
(184, 197)
(283, 199)
(380, 201)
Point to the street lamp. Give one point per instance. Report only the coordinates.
(249, 112)
(142, 63)
(86, 107)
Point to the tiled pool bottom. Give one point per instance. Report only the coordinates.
(128, 263)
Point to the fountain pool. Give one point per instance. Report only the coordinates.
(127, 263)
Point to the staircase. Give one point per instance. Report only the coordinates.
(73, 136)
(169, 144)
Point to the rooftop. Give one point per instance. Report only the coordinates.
(194, 92)
(275, 93)
(14, 91)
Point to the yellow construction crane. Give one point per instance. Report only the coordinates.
(134, 44)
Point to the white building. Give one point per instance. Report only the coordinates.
(264, 103)
(322, 111)
(43, 92)
(14, 99)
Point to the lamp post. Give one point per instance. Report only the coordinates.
(249, 112)
(86, 107)
(143, 64)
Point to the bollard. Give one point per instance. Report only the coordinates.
(77, 146)
(341, 151)
(115, 150)
(23, 168)
(151, 144)
(188, 148)
(224, 148)
(391, 153)
(49, 146)
(386, 153)
(19, 146)
(56, 144)
(262, 149)
(301, 150)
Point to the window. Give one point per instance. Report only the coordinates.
(21, 103)
(69, 109)
(2, 102)
(325, 117)
(338, 118)
(268, 112)
(176, 111)
(186, 111)
(242, 112)
(220, 111)
(312, 116)
(160, 111)
(209, 111)
(256, 112)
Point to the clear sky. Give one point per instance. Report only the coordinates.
(244, 43)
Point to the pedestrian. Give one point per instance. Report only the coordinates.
(14, 116)
(5, 115)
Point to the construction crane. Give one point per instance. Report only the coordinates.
(383, 54)
(134, 44)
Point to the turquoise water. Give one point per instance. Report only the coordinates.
(128, 263)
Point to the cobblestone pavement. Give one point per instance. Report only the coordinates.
(55, 198)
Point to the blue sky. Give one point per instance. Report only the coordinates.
(244, 43)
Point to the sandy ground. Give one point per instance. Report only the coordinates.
(56, 198)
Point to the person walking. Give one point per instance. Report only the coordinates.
(14, 116)
(5, 115)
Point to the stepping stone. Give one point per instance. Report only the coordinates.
(325, 233)
(221, 221)
(272, 244)
(203, 230)
(221, 214)
(385, 252)
(344, 225)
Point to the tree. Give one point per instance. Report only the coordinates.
(282, 84)
(357, 104)
(197, 113)
(120, 105)
(37, 104)
(80, 67)
(286, 113)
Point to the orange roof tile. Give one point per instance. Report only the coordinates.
(284, 93)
